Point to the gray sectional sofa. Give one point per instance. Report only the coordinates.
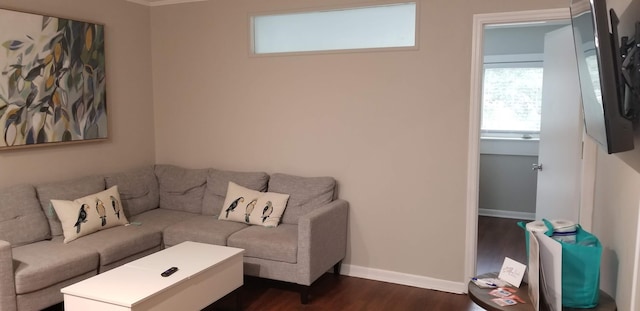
(165, 205)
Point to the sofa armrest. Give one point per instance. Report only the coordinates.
(322, 240)
(7, 279)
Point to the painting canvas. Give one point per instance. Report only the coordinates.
(52, 80)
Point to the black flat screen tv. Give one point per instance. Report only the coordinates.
(600, 73)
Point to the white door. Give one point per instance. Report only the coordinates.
(561, 127)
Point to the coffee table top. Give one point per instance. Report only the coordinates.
(137, 280)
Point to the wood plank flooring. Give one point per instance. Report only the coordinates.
(344, 293)
(497, 238)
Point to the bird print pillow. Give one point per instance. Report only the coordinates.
(89, 214)
(253, 207)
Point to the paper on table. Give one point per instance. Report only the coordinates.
(533, 273)
(512, 272)
(551, 266)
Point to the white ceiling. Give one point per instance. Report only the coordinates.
(161, 2)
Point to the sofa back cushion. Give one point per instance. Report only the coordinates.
(138, 189)
(218, 181)
(305, 193)
(66, 190)
(21, 218)
(181, 189)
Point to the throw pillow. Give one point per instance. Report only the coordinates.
(89, 214)
(253, 207)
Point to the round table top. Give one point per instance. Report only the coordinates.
(482, 298)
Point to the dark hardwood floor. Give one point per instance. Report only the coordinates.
(344, 293)
(497, 238)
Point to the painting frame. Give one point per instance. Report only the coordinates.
(52, 81)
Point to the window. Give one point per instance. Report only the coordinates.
(512, 100)
(383, 26)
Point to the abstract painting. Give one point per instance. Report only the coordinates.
(52, 80)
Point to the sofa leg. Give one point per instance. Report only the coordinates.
(336, 268)
(304, 294)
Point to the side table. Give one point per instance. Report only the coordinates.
(482, 298)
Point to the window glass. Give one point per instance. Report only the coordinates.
(356, 28)
(511, 100)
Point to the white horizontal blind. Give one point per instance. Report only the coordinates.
(355, 28)
(512, 100)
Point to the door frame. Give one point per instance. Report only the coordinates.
(473, 165)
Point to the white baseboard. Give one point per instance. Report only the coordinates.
(506, 214)
(404, 279)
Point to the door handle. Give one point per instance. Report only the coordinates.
(536, 167)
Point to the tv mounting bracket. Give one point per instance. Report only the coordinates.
(630, 71)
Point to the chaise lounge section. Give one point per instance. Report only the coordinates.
(165, 205)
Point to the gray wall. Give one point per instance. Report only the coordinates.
(507, 184)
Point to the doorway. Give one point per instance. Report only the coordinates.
(473, 184)
(516, 77)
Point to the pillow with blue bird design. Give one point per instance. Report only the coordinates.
(253, 207)
(89, 214)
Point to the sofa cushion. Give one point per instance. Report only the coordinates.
(117, 243)
(21, 218)
(253, 207)
(89, 214)
(66, 190)
(45, 263)
(138, 189)
(217, 182)
(278, 244)
(306, 193)
(204, 229)
(181, 189)
(160, 218)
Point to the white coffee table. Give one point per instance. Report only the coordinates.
(205, 274)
